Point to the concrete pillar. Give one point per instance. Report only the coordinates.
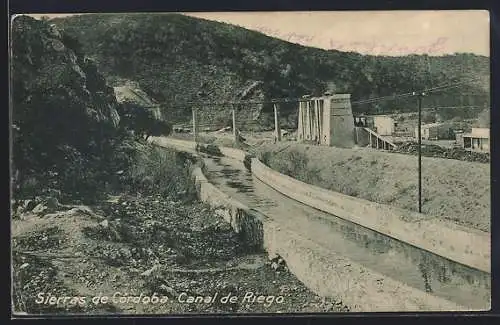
(277, 128)
(195, 125)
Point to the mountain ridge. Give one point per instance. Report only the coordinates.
(178, 58)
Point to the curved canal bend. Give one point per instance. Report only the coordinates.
(398, 260)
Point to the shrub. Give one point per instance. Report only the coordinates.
(161, 171)
(210, 149)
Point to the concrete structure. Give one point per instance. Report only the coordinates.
(381, 124)
(477, 140)
(330, 273)
(434, 131)
(326, 120)
(364, 136)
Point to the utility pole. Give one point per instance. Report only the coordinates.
(277, 128)
(235, 130)
(195, 126)
(419, 95)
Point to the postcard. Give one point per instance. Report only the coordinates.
(189, 163)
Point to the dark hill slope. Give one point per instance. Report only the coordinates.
(179, 58)
(64, 116)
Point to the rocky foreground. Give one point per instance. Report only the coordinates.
(145, 255)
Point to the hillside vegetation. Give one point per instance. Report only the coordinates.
(177, 58)
(65, 118)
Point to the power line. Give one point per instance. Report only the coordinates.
(376, 99)
(304, 99)
(451, 85)
(409, 94)
(438, 107)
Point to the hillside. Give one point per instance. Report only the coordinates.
(176, 58)
(52, 87)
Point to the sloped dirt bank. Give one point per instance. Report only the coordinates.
(142, 255)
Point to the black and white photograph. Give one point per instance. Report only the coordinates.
(286, 162)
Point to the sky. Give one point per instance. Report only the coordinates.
(391, 33)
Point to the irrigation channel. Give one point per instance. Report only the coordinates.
(398, 260)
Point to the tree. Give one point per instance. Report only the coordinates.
(159, 128)
(142, 121)
(483, 120)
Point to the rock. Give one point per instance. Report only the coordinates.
(150, 271)
(168, 290)
(28, 205)
(104, 224)
(40, 208)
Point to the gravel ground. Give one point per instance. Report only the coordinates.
(147, 255)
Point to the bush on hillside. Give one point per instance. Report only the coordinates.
(64, 133)
(160, 171)
(141, 121)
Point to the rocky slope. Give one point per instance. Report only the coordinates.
(65, 121)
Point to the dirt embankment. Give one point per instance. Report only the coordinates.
(451, 189)
(135, 248)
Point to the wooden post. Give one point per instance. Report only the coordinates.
(195, 126)
(235, 131)
(300, 131)
(277, 127)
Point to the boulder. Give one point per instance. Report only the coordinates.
(39, 209)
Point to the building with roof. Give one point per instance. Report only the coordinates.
(381, 124)
(477, 140)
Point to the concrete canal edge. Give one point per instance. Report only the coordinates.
(321, 270)
(462, 245)
(447, 239)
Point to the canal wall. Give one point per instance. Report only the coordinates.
(457, 243)
(321, 270)
(328, 273)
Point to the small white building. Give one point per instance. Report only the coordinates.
(434, 131)
(381, 124)
(477, 140)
